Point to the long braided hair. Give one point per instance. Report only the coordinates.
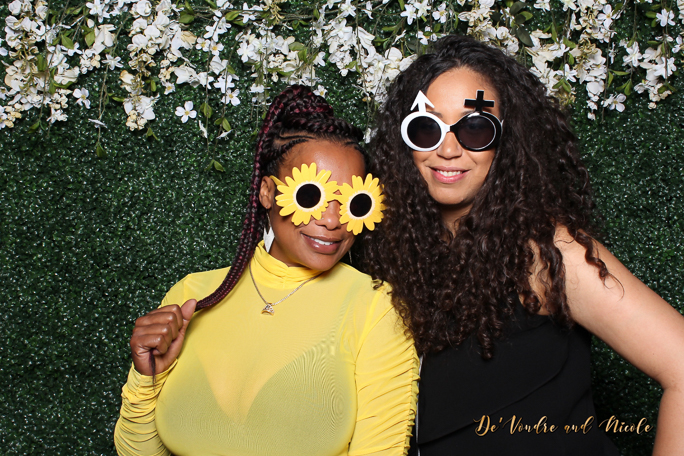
(447, 286)
(295, 116)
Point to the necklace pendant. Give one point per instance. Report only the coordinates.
(268, 309)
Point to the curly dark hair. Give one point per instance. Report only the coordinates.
(450, 285)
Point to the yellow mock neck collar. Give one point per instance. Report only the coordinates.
(276, 274)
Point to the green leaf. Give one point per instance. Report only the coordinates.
(296, 46)
(226, 125)
(67, 42)
(218, 121)
(90, 38)
(610, 79)
(33, 128)
(206, 110)
(74, 11)
(566, 85)
(316, 14)
(517, 7)
(153, 85)
(150, 134)
(524, 36)
(401, 4)
(302, 55)
(527, 15)
(99, 150)
(620, 73)
(389, 29)
(520, 19)
(496, 17)
(438, 27)
(188, 8)
(554, 33)
(118, 99)
(53, 87)
(650, 14)
(41, 63)
(186, 18)
(212, 4)
(569, 43)
(230, 70)
(218, 166)
(232, 15)
(571, 59)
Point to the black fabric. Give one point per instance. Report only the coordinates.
(538, 370)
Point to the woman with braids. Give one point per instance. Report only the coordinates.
(487, 244)
(293, 353)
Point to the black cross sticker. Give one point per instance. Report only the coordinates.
(480, 102)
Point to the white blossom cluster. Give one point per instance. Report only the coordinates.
(47, 57)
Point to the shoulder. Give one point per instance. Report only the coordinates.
(195, 286)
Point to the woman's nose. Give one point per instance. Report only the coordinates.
(450, 147)
(331, 216)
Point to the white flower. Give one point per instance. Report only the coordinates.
(665, 17)
(633, 55)
(440, 14)
(320, 90)
(113, 62)
(186, 112)
(257, 88)
(97, 123)
(543, 5)
(486, 3)
(56, 115)
(142, 8)
(215, 48)
(224, 83)
(232, 97)
(614, 102)
(347, 9)
(409, 14)
(98, 9)
(82, 97)
(15, 7)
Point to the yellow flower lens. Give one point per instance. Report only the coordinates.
(305, 194)
(361, 204)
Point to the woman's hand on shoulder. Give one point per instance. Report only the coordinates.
(160, 333)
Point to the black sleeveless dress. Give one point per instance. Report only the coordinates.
(539, 375)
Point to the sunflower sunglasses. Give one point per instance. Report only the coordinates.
(307, 193)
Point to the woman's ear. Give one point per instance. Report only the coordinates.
(267, 192)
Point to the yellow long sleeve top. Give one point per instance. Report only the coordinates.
(330, 373)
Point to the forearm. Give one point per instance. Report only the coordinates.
(136, 431)
(669, 436)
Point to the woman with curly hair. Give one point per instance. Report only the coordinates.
(487, 244)
(293, 353)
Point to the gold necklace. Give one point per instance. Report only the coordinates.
(269, 305)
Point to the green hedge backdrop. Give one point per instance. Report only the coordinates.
(89, 244)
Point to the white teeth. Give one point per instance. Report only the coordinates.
(318, 241)
(449, 173)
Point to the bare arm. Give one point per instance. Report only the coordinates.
(636, 323)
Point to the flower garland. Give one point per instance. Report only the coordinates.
(154, 46)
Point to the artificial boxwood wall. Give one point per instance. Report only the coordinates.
(89, 244)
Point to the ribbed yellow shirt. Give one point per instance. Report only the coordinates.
(330, 373)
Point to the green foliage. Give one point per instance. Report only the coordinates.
(96, 228)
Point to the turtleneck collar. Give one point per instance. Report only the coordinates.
(274, 273)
